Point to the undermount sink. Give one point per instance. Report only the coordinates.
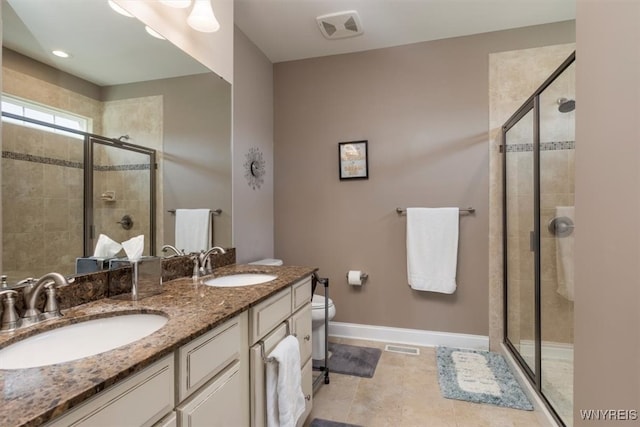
(244, 279)
(78, 340)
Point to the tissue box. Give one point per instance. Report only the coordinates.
(91, 264)
(149, 274)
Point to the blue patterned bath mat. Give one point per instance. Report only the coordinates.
(479, 376)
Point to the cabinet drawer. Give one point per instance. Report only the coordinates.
(301, 293)
(216, 404)
(266, 315)
(301, 327)
(307, 389)
(140, 400)
(204, 357)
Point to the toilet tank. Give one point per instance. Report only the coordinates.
(267, 261)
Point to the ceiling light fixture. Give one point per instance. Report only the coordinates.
(60, 53)
(119, 9)
(202, 17)
(178, 4)
(153, 32)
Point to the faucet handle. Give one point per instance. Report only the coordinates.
(10, 318)
(51, 308)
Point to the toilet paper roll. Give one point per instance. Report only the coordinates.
(354, 277)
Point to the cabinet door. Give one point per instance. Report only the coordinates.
(301, 327)
(218, 404)
(307, 389)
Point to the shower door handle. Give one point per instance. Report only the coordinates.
(532, 241)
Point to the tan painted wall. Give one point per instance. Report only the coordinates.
(424, 110)
(252, 128)
(607, 294)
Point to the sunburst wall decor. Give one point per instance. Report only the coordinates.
(254, 168)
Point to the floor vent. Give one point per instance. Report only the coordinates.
(404, 350)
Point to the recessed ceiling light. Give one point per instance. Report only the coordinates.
(153, 32)
(60, 53)
(119, 9)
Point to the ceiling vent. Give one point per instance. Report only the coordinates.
(340, 25)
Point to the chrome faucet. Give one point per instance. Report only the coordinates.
(31, 290)
(202, 263)
(176, 251)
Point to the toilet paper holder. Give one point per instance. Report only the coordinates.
(363, 276)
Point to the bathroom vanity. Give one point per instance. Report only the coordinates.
(199, 367)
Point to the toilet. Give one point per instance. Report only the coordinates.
(318, 325)
(317, 315)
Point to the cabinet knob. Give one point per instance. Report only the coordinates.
(307, 337)
(308, 397)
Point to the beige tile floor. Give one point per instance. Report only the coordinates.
(404, 392)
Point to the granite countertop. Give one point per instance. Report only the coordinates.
(31, 397)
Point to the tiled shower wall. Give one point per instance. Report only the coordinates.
(514, 76)
(42, 195)
(42, 190)
(126, 172)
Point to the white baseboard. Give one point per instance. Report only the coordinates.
(408, 336)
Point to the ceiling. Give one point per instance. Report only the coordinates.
(106, 48)
(286, 30)
(109, 49)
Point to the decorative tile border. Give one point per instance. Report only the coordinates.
(69, 164)
(41, 159)
(544, 146)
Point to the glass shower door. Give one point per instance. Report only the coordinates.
(519, 226)
(557, 221)
(122, 193)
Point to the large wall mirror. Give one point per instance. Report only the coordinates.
(121, 85)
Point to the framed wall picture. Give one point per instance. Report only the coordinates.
(354, 160)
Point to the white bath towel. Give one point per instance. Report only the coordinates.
(432, 249)
(285, 399)
(564, 255)
(193, 232)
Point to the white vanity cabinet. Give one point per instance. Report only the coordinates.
(287, 311)
(204, 380)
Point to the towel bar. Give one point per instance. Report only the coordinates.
(266, 359)
(213, 211)
(469, 210)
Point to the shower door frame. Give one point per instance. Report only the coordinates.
(89, 228)
(532, 103)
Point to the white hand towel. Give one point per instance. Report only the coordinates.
(192, 229)
(564, 256)
(285, 399)
(432, 249)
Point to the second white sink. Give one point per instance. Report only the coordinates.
(78, 340)
(244, 279)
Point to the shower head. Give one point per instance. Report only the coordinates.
(566, 105)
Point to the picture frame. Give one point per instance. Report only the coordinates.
(353, 160)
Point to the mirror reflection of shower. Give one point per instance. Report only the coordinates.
(566, 105)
